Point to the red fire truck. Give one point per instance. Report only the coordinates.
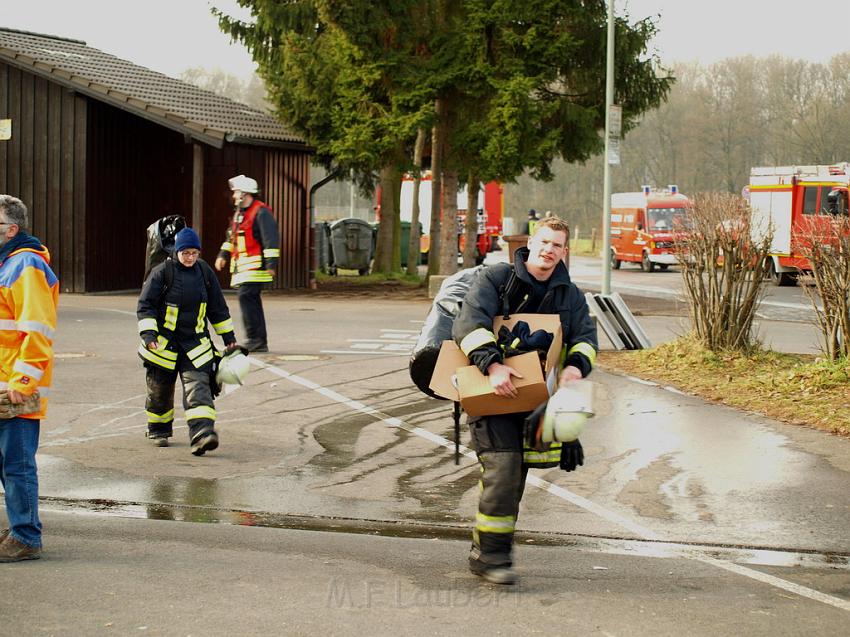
(793, 202)
(490, 208)
(642, 226)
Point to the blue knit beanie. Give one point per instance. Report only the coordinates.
(185, 239)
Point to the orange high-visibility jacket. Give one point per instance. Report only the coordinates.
(252, 244)
(29, 293)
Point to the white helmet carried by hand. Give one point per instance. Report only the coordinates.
(233, 368)
(243, 184)
(567, 412)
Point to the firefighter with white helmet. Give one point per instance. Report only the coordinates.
(253, 247)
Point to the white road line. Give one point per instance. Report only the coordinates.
(560, 492)
(771, 580)
(379, 341)
(362, 352)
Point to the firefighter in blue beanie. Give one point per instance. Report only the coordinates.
(179, 298)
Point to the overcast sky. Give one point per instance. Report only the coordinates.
(172, 35)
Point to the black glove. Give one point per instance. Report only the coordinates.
(572, 455)
(531, 425)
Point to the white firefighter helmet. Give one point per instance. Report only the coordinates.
(232, 368)
(567, 412)
(243, 184)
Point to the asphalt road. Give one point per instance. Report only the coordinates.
(334, 504)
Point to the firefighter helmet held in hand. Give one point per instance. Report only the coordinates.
(233, 368)
(567, 412)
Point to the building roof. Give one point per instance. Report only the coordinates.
(203, 115)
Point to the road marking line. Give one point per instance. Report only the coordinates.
(364, 352)
(560, 492)
(771, 580)
(380, 341)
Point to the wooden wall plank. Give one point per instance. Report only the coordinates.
(38, 212)
(25, 138)
(198, 188)
(54, 167)
(77, 246)
(63, 262)
(4, 114)
(13, 170)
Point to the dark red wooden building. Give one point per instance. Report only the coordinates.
(100, 148)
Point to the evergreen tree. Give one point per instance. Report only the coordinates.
(509, 86)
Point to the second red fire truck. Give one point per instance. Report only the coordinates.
(795, 202)
(642, 226)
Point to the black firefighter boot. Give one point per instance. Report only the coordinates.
(202, 436)
(159, 433)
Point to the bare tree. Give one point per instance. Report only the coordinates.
(251, 92)
(722, 268)
(826, 243)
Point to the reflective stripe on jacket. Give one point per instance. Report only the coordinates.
(473, 328)
(29, 293)
(252, 244)
(177, 320)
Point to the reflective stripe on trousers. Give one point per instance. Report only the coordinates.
(502, 483)
(197, 399)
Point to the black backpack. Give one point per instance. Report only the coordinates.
(441, 317)
(161, 235)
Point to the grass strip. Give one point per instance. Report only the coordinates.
(794, 388)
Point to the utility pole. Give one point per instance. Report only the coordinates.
(606, 189)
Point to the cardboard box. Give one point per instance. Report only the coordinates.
(454, 378)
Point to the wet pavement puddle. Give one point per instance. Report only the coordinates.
(754, 556)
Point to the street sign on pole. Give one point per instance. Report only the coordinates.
(615, 120)
(614, 151)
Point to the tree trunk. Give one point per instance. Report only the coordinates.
(390, 219)
(437, 135)
(448, 224)
(471, 225)
(413, 241)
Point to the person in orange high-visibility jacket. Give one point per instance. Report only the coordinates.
(29, 292)
(253, 247)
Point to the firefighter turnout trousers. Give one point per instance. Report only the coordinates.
(197, 399)
(497, 441)
(253, 317)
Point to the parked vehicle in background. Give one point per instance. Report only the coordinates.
(796, 203)
(643, 225)
(490, 211)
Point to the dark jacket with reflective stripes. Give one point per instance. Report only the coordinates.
(252, 245)
(494, 286)
(177, 320)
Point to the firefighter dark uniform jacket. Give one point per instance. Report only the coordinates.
(252, 244)
(175, 313)
(508, 289)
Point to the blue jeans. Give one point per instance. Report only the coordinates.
(18, 473)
